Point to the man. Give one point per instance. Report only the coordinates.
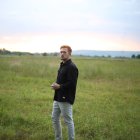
(65, 90)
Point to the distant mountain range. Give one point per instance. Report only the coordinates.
(106, 53)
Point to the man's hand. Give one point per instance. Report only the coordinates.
(55, 86)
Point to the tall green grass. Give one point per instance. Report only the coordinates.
(106, 106)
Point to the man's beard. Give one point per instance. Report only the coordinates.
(64, 59)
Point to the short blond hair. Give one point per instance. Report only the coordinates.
(68, 47)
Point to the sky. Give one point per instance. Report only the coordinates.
(45, 25)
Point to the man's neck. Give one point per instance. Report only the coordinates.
(64, 61)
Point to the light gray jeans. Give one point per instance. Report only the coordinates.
(64, 109)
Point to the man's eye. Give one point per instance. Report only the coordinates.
(62, 52)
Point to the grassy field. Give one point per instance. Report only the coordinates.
(106, 107)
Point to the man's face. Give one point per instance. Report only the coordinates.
(64, 54)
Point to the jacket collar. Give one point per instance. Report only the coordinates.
(67, 62)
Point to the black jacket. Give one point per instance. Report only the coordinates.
(67, 78)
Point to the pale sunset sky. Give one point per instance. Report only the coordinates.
(45, 25)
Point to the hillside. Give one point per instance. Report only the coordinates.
(106, 53)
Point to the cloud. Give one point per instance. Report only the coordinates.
(114, 17)
(37, 13)
(78, 40)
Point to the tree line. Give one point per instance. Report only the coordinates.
(7, 52)
(135, 56)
